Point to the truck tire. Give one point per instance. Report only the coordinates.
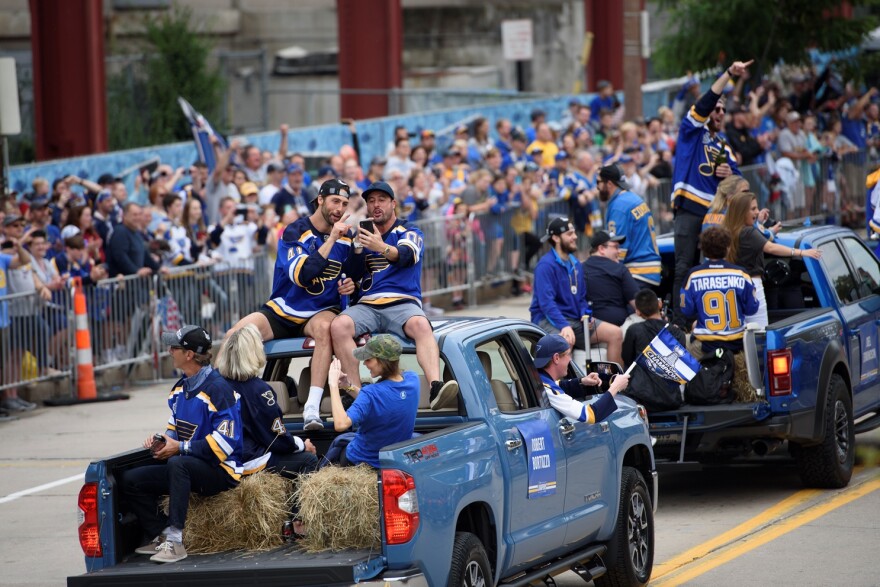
(630, 556)
(830, 464)
(470, 565)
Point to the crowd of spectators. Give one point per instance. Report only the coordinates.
(486, 182)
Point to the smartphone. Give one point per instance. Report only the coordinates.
(158, 442)
(368, 225)
(771, 222)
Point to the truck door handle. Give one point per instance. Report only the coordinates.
(513, 443)
(566, 427)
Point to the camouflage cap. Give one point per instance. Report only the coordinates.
(381, 346)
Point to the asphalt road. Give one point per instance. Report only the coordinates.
(744, 525)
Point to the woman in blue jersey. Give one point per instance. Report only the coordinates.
(748, 246)
(384, 412)
(241, 361)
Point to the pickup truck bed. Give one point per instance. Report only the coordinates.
(274, 567)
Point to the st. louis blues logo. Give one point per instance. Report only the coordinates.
(375, 264)
(331, 272)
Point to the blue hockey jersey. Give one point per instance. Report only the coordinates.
(384, 285)
(719, 295)
(628, 215)
(305, 283)
(693, 177)
(264, 431)
(205, 413)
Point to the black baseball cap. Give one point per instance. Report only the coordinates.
(557, 227)
(335, 187)
(378, 186)
(192, 338)
(612, 173)
(602, 237)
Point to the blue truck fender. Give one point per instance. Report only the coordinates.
(833, 360)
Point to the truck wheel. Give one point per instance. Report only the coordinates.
(830, 464)
(631, 550)
(470, 565)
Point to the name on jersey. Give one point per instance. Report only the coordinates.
(718, 282)
(640, 211)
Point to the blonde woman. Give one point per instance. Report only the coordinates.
(729, 186)
(241, 361)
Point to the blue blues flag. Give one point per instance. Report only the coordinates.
(667, 358)
(202, 133)
(540, 457)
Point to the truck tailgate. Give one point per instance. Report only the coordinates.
(285, 565)
(707, 418)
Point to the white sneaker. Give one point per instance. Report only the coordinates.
(312, 421)
(152, 546)
(169, 552)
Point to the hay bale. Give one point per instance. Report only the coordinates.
(248, 517)
(742, 389)
(339, 507)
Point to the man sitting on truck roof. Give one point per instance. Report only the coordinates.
(552, 356)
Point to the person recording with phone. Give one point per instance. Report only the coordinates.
(389, 271)
(313, 253)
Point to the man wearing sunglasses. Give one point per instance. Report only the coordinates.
(696, 175)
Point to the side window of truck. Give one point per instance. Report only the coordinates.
(504, 378)
(841, 278)
(866, 264)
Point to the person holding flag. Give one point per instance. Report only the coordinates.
(552, 356)
(651, 387)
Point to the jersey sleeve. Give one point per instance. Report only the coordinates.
(410, 246)
(217, 445)
(749, 299)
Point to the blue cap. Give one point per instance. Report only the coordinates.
(40, 201)
(561, 155)
(295, 168)
(625, 159)
(102, 196)
(378, 186)
(327, 170)
(548, 346)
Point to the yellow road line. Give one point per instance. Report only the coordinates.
(764, 518)
(746, 544)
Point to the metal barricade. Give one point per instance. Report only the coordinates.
(36, 338)
(121, 311)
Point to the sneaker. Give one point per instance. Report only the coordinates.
(10, 405)
(312, 421)
(441, 393)
(150, 547)
(458, 305)
(5, 417)
(431, 311)
(169, 552)
(25, 405)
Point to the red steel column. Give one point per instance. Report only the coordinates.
(605, 21)
(370, 54)
(67, 42)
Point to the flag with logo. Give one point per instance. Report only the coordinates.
(666, 357)
(202, 133)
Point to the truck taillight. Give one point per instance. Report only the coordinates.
(401, 506)
(780, 372)
(89, 531)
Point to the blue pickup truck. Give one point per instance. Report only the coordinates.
(492, 506)
(815, 366)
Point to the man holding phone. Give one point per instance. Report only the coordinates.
(313, 253)
(390, 275)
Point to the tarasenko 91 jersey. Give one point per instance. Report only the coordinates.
(720, 295)
(305, 283)
(384, 285)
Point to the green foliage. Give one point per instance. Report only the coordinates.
(142, 101)
(717, 33)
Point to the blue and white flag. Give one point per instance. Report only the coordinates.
(667, 358)
(202, 133)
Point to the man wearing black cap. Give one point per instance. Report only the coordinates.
(559, 302)
(313, 253)
(202, 445)
(389, 271)
(695, 177)
(612, 288)
(628, 215)
(552, 357)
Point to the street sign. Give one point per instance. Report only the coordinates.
(517, 39)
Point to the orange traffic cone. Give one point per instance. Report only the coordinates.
(86, 389)
(85, 369)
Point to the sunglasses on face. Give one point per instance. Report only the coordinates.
(720, 109)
